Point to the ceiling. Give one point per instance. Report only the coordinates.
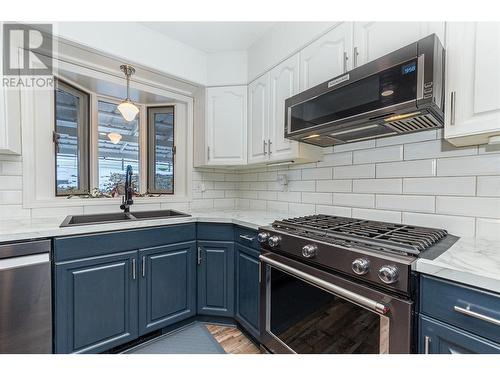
(212, 37)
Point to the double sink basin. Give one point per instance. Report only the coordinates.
(72, 221)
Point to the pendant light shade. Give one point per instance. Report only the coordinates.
(114, 138)
(128, 109)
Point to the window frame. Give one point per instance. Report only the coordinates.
(151, 147)
(83, 134)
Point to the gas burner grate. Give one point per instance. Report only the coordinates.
(377, 235)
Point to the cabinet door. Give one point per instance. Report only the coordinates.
(375, 39)
(440, 338)
(96, 303)
(226, 119)
(167, 287)
(216, 278)
(284, 83)
(473, 79)
(326, 57)
(247, 288)
(258, 119)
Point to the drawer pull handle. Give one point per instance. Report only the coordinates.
(467, 311)
(248, 238)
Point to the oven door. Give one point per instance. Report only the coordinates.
(308, 311)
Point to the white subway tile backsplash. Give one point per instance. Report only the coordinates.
(407, 138)
(289, 196)
(249, 194)
(255, 204)
(336, 159)
(317, 198)
(354, 146)
(406, 203)
(268, 176)
(488, 186)
(378, 155)
(8, 211)
(223, 185)
(11, 197)
(261, 185)
(317, 174)
(488, 228)
(417, 168)
(199, 204)
(334, 210)
(440, 185)
(292, 175)
(382, 185)
(11, 168)
(457, 225)
(301, 209)
(274, 206)
(334, 186)
(469, 206)
(354, 200)
(469, 165)
(209, 194)
(436, 149)
(179, 206)
(11, 183)
(380, 215)
(224, 203)
(354, 171)
(302, 185)
(56, 212)
(267, 195)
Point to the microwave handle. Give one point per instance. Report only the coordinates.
(335, 289)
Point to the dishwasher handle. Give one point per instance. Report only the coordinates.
(25, 261)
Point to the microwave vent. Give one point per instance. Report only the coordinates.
(412, 124)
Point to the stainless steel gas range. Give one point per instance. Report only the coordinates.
(341, 285)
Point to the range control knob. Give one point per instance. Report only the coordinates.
(360, 266)
(274, 241)
(309, 251)
(262, 237)
(388, 274)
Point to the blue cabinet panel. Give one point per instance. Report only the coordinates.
(216, 278)
(214, 232)
(247, 288)
(445, 339)
(246, 237)
(88, 245)
(167, 291)
(441, 299)
(95, 303)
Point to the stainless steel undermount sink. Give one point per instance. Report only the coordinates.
(71, 221)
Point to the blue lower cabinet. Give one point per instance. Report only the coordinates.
(247, 288)
(96, 303)
(167, 286)
(215, 278)
(441, 338)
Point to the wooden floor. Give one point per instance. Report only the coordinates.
(232, 340)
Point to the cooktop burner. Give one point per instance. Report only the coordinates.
(375, 235)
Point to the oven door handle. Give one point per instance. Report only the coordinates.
(335, 289)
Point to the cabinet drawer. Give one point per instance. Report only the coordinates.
(461, 306)
(246, 237)
(441, 338)
(215, 232)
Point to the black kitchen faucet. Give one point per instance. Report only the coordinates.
(127, 200)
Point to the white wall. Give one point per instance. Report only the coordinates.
(281, 41)
(227, 68)
(136, 43)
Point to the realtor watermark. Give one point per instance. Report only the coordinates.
(27, 56)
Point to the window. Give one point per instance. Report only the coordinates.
(71, 139)
(161, 150)
(118, 146)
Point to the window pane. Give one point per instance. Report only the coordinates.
(71, 128)
(118, 147)
(161, 134)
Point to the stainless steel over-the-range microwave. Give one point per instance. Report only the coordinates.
(401, 92)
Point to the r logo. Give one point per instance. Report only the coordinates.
(35, 58)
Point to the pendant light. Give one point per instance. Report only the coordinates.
(115, 138)
(126, 107)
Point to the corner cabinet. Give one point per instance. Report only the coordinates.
(266, 117)
(472, 83)
(226, 125)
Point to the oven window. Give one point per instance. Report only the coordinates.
(310, 320)
(394, 85)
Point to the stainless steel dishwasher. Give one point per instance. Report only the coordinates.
(25, 297)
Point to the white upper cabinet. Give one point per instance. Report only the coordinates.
(326, 57)
(258, 119)
(226, 125)
(472, 82)
(375, 39)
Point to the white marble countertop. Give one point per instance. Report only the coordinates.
(470, 261)
(23, 229)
